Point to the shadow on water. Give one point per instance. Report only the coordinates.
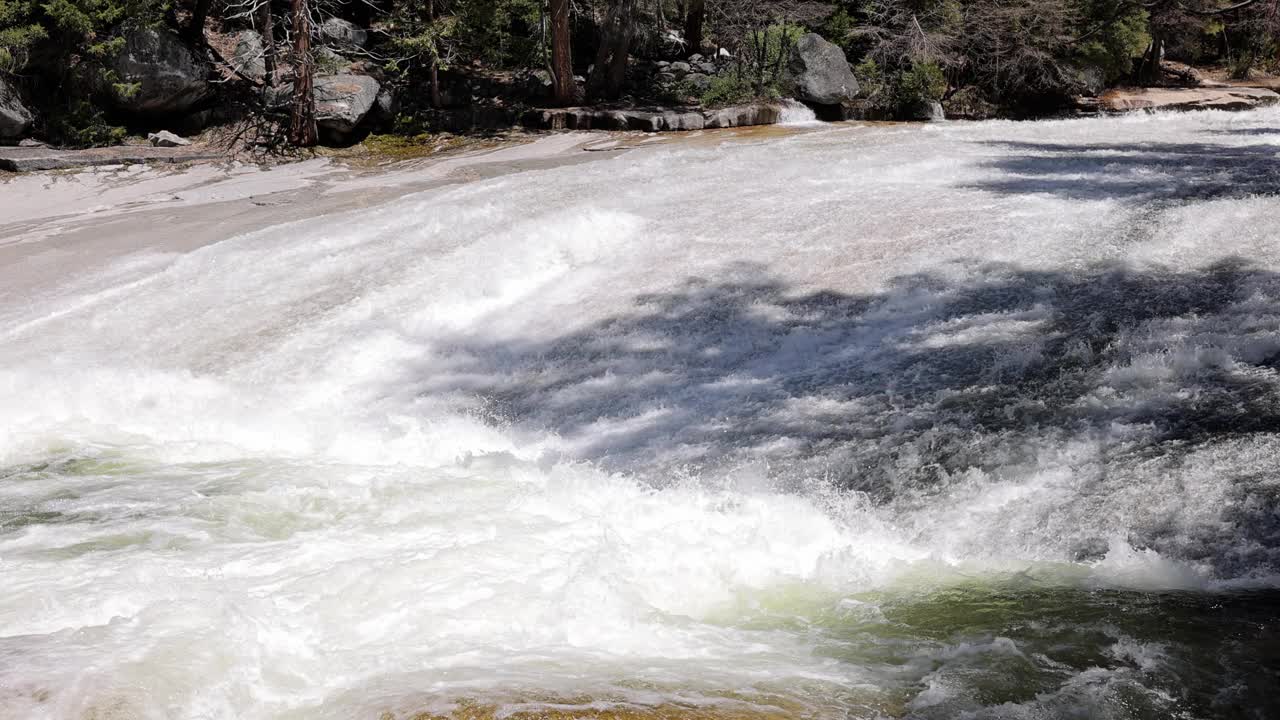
(987, 369)
(1140, 172)
(899, 392)
(1262, 131)
(1021, 651)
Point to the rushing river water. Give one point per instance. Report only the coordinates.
(966, 420)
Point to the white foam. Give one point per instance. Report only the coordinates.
(796, 113)
(483, 441)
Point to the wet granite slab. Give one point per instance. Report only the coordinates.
(29, 159)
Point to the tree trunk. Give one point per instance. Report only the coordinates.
(611, 61)
(435, 51)
(268, 32)
(693, 25)
(195, 31)
(561, 53)
(302, 122)
(1149, 70)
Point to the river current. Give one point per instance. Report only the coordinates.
(970, 420)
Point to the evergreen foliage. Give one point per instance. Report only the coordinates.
(1021, 56)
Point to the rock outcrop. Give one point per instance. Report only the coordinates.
(1202, 98)
(343, 35)
(248, 55)
(744, 116)
(819, 73)
(15, 118)
(342, 102)
(654, 120)
(31, 159)
(169, 77)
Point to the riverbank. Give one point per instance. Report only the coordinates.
(67, 222)
(63, 223)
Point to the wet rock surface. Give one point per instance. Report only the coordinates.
(30, 159)
(657, 120)
(1201, 98)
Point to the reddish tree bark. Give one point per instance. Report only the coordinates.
(268, 32)
(561, 53)
(302, 122)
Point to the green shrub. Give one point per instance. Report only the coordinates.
(81, 123)
(18, 33)
(727, 89)
(838, 27)
(920, 84)
(501, 33)
(764, 54)
(1114, 45)
(902, 92)
(61, 48)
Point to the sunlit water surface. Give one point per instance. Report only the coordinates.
(966, 420)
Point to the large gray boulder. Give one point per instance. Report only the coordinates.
(249, 55)
(343, 35)
(170, 77)
(819, 73)
(342, 102)
(15, 118)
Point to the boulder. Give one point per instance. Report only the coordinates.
(742, 116)
(170, 78)
(382, 116)
(386, 105)
(329, 62)
(698, 82)
(1091, 81)
(342, 34)
(652, 120)
(633, 120)
(164, 138)
(706, 67)
(673, 120)
(15, 118)
(342, 102)
(1180, 74)
(679, 68)
(247, 58)
(819, 73)
(536, 85)
(696, 58)
(561, 119)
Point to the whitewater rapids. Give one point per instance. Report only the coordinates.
(970, 420)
